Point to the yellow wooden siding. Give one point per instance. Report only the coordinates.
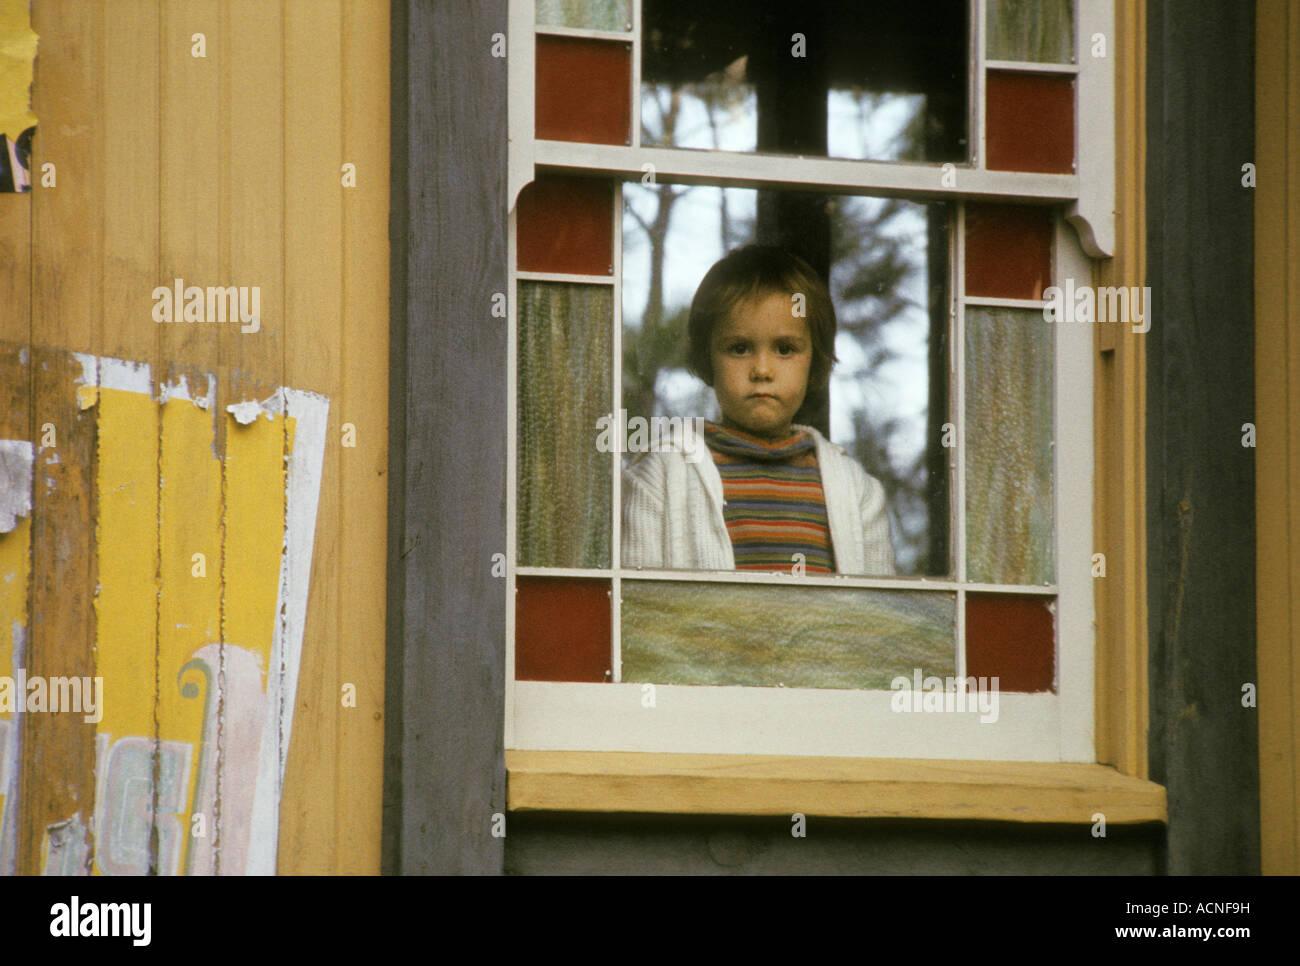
(158, 527)
(1277, 423)
(1119, 505)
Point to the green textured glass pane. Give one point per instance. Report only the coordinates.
(1009, 519)
(799, 637)
(592, 14)
(1040, 31)
(565, 485)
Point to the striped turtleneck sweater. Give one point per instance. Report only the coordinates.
(773, 502)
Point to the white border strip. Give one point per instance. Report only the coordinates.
(1031, 66)
(512, 479)
(784, 578)
(1093, 215)
(590, 33)
(957, 353)
(741, 170)
(521, 50)
(616, 458)
(1004, 303)
(562, 277)
(1075, 613)
(302, 497)
(775, 721)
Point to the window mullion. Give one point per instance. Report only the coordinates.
(958, 355)
(616, 528)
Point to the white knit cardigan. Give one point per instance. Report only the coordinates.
(672, 512)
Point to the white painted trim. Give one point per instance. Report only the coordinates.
(521, 55)
(740, 170)
(1046, 590)
(563, 277)
(512, 471)
(1005, 303)
(1093, 214)
(635, 139)
(1075, 466)
(589, 33)
(1031, 66)
(1045, 727)
(616, 458)
(583, 572)
(979, 14)
(774, 721)
(783, 578)
(957, 355)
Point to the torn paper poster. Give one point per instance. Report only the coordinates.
(17, 122)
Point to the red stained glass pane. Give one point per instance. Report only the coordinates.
(1013, 638)
(584, 90)
(1029, 122)
(1008, 251)
(561, 629)
(566, 225)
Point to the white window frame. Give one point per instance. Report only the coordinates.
(612, 716)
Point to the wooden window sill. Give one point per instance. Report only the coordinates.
(997, 791)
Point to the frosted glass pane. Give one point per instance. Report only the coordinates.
(592, 14)
(809, 637)
(1041, 31)
(565, 360)
(1009, 519)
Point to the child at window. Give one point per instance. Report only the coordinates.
(761, 331)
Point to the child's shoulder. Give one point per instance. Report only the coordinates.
(835, 459)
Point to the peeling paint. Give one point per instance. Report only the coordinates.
(67, 847)
(124, 375)
(89, 368)
(180, 389)
(245, 412)
(16, 459)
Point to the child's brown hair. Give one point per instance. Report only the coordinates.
(753, 272)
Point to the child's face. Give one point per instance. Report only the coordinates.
(761, 358)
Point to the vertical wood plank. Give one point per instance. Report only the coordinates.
(190, 248)
(127, 160)
(313, 291)
(1120, 436)
(15, 546)
(1204, 743)
(1292, 681)
(253, 182)
(67, 306)
(58, 803)
(16, 261)
(15, 572)
(127, 167)
(189, 173)
(1277, 481)
(452, 625)
(362, 400)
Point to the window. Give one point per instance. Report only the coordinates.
(644, 143)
